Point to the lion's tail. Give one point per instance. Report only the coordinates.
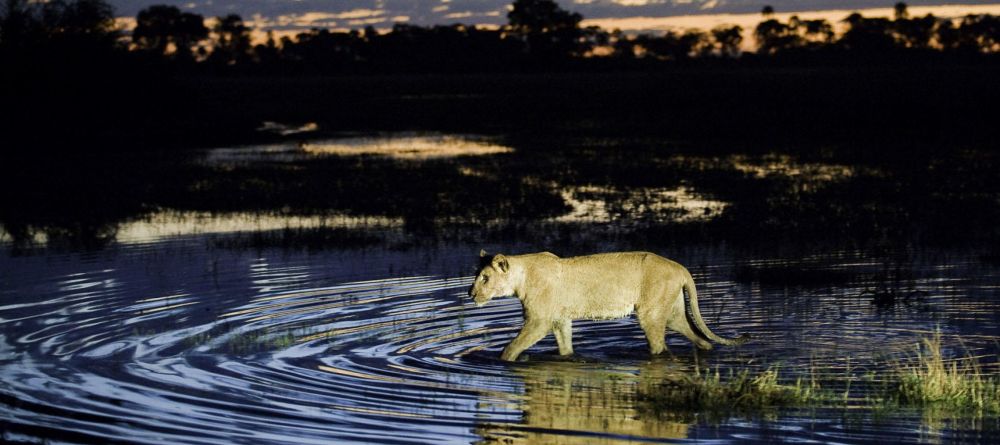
(694, 316)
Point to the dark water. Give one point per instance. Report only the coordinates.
(180, 330)
(174, 342)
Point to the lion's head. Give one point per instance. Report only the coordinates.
(493, 279)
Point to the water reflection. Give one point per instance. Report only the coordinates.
(639, 205)
(407, 147)
(286, 129)
(398, 146)
(789, 167)
(167, 224)
(568, 402)
(408, 188)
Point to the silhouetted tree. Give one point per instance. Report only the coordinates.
(974, 34)
(80, 17)
(767, 11)
(232, 40)
(871, 35)
(727, 40)
(773, 36)
(160, 27)
(324, 51)
(915, 33)
(58, 29)
(899, 11)
(80, 23)
(545, 28)
(268, 53)
(621, 45)
(947, 35)
(439, 48)
(814, 33)
(594, 37)
(980, 32)
(673, 46)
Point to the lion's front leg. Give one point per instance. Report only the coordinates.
(532, 331)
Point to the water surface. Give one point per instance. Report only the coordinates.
(177, 342)
(329, 317)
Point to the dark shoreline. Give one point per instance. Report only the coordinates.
(925, 132)
(896, 107)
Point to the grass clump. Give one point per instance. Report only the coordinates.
(955, 385)
(928, 381)
(740, 391)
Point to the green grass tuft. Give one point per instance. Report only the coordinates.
(953, 385)
(740, 391)
(947, 388)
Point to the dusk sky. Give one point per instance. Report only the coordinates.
(303, 14)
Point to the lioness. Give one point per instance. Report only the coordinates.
(555, 291)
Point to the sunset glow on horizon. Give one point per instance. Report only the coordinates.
(291, 24)
(749, 20)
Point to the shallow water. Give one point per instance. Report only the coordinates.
(314, 292)
(177, 341)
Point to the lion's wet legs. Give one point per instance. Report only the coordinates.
(563, 330)
(529, 335)
(656, 332)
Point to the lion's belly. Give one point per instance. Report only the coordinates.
(602, 301)
(607, 312)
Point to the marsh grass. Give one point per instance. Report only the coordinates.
(927, 380)
(956, 385)
(718, 396)
(751, 390)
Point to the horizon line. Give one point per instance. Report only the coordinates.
(631, 25)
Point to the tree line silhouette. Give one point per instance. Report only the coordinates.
(74, 81)
(537, 32)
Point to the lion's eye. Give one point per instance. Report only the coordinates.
(485, 278)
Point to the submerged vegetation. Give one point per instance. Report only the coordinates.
(950, 387)
(249, 342)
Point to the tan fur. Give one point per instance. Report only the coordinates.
(555, 291)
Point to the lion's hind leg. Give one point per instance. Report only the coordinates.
(563, 330)
(654, 325)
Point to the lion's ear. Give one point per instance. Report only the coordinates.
(500, 263)
(482, 253)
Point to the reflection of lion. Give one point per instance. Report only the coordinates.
(577, 403)
(555, 291)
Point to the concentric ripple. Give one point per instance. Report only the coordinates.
(284, 349)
